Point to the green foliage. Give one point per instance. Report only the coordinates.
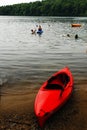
(47, 8)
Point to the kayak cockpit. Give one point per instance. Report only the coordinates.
(59, 81)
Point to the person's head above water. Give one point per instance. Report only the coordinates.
(76, 36)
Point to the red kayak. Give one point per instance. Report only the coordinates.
(76, 25)
(53, 94)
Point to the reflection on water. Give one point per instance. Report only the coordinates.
(32, 58)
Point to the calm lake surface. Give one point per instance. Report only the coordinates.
(27, 58)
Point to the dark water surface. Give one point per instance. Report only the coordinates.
(27, 58)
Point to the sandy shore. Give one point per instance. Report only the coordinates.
(17, 113)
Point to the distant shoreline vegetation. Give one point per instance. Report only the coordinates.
(47, 8)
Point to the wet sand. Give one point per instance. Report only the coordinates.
(17, 113)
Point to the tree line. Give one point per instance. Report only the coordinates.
(47, 8)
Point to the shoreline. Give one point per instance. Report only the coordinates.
(17, 112)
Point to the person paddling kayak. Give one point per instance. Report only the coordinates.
(40, 31)
(39, 28)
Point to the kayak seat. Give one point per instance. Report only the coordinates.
(54, 86)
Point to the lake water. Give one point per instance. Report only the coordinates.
(27, 58)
